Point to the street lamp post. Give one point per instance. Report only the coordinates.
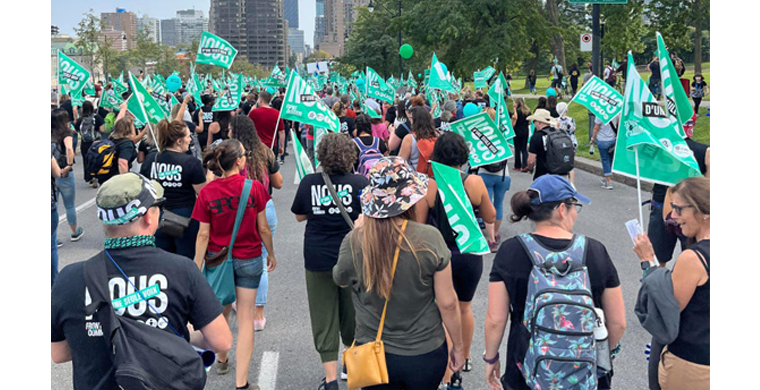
(371, 8)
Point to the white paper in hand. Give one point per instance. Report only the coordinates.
(634, 229)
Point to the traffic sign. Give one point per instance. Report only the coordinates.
(598, 1)
(586, 40)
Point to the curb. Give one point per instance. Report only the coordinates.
(595, 167)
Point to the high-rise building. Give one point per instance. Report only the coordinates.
(121, 20)
(319, 23)
(186, 27)
(295, 41)
(339, 18)
(256, 28)
(291, 13)
(152, 26)
(117, 39)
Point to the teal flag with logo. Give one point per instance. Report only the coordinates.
(440, 78)
(377, 88)
(663, 155)
(213, 50)
(600, 98)
(110, 100)
(497, 94)
(411, 81)
(89, 88)
(459, 211)
(135, 108)
(276, 79)
(230, 99)
(118, 86)
(487, 144)
(303, 165)
(194, 86)
(480, 79)
(302, 105)
(151, 109)
(677, 102)
(488, 73)
(72, 75)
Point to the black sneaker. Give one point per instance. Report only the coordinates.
(344, 373)
(328, 385)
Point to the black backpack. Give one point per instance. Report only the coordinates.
(143, 357)
(87, 128)
(495, 167)
(101, 159)
(560, 153)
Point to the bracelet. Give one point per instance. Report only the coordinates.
(491, 361)
(615, 351)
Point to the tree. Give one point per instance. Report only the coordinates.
(166, 62)
(317, 55)
(145, 51)
(88, 32)
(681, 23)
(106, 54)
(557, 41)
(624, 28)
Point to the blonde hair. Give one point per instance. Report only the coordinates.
(521, 106)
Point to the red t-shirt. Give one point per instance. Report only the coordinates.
(217, 205)
(265, 120)
(351, 113)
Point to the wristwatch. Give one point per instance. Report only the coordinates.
(491, 361)
(645, 265)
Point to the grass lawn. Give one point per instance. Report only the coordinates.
(580, 114)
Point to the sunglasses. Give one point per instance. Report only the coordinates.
(679, 209)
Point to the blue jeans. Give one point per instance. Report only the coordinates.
(532, 87)
(67, 189)
(185, 245)
(606, 157)
(53, 246)
(496, 190)
(261, 295)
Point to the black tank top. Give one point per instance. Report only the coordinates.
(700, 152)
(693, 341)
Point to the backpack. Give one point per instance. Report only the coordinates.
(368, 155)
(87, 128)
(558, 71)
(559, 317)
(101, 158)
(58, 150)
(425, 147)
(143, 357)
(560, 153)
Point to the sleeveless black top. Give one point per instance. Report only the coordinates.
(693, 341)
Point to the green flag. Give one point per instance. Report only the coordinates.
(173, 102)
(677, 102)
(230, 99)
(487, 144)
(498, 96)
(276, 79)
(663, 156)
(214, 50)
(72, 75)
(439, 78)
(134, 107)
(411, 81)
(302, 105)
(480, 79)
(89, 88)
(194, 86)
(600, 98)
(459, 210)
(303, 165)
(433, 96)
(121, 77)
(377, 88)
(118, 86)
(488, 73)
(151, 110)
(110, 100)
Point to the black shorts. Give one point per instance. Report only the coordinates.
(466, 271)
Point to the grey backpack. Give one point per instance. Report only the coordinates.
(560, 317)
(560, 152)
(87, 129)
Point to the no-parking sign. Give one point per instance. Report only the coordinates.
(586, 42)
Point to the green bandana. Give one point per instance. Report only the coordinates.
(129, 242)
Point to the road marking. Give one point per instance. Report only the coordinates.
(79, 209)
(268, 370)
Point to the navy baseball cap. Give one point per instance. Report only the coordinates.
(554, 188)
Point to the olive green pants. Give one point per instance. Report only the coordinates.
(332, 314)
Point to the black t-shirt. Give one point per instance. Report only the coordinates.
(177, 173)
(536, 146)
(402, 130)
(654, 67)
(574, 74)
(98, 122)
(246, 106)
(325, 226)
(146, 148)
(522, 126)
(513, 266)
(208, 119)
(390, 115)
(482, 103)
(69, 109)
(277, 103)
(185, 296)
(347, 125)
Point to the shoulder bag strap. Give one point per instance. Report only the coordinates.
(393, 274)
(335, 197)
(240, 212)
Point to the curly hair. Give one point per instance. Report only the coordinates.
(450, 149)
(337, 153)
(257, 154)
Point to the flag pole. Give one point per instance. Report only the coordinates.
(58, 76)
(638, 186)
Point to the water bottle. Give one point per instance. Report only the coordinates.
(591, 149)
(603, 362)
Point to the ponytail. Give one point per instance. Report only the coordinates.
(169, 133)
(221, 158)
(523, 208)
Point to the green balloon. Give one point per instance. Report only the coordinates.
(406, 51)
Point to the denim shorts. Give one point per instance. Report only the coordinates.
(247, 271)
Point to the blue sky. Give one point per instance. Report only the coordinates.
(67, 13)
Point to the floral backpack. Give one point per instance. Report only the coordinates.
(560, 317)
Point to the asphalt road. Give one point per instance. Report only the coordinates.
(284, 357)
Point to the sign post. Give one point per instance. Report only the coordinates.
(586, 44)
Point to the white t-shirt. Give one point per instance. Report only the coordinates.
(607, 73)
(555, 69)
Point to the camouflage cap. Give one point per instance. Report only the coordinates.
(125, 198)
